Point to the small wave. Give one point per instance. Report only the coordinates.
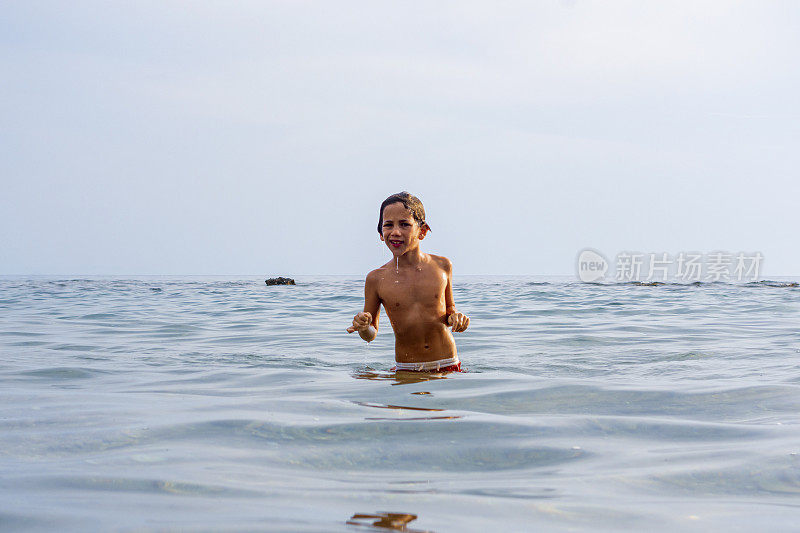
(63, 373)
(685, 356)
(770, 283)
(781, 478)
(151, 486)
(409, 458)
(29, 522)
(74, 348)
(687, 284)
(92, 316)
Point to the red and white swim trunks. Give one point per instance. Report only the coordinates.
(451, 364)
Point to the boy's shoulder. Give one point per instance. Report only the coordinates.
(378, 273)
(442, 262)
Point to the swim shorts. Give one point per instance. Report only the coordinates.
(451, 364)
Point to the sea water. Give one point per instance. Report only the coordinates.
(206, 404)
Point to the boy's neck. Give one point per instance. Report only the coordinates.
(410, 258)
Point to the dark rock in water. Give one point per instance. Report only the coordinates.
(280, 281)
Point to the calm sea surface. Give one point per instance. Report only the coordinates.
(208, 404)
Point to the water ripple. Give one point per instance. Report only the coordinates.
(220, 403)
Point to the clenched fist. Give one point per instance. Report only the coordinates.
(458, 321)
(360, 322)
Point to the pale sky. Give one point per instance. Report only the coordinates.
(260, 137)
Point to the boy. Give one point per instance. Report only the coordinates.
(416, 291)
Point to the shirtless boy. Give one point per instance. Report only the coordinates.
(416, 290)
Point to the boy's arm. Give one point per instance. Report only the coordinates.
(366, 322)
(372, 303)
(457, 320)
(449, 303)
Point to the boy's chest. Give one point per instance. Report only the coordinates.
(405, 288)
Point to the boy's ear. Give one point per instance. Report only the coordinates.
(423, 230)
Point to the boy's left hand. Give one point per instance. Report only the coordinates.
(458, 321)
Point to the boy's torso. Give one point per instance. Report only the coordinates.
(414, 300)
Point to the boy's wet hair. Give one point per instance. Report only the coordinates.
(410, 202)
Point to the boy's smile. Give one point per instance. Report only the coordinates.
(400, 231)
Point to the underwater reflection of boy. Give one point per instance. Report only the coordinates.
(416, 290)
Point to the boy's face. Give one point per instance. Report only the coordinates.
(400, 231)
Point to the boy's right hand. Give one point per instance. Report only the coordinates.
(360, 322)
